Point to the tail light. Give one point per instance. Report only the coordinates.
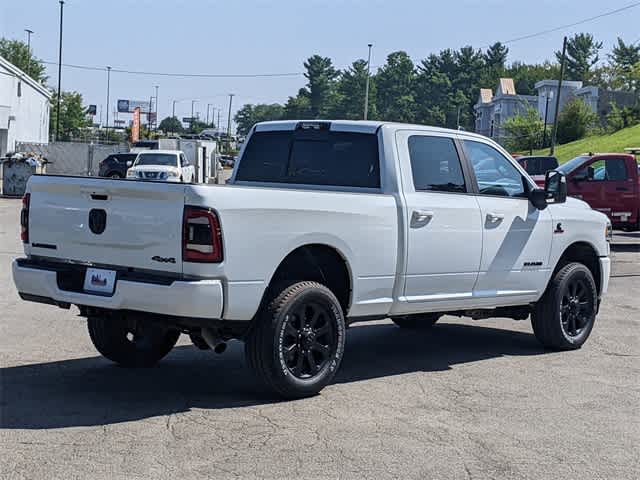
(202, 236)
(24, 218)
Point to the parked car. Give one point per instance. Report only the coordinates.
(537, 166)
(116, 165)
(609, 183)
(325, 224)
(163, 165)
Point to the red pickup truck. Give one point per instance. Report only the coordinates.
(610, 183)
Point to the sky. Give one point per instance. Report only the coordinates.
(258, 36)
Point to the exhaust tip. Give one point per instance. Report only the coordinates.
(220, 347)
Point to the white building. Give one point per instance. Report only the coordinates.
(24, 108)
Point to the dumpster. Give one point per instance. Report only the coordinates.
(15, 172)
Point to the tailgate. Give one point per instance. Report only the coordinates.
(107, 222)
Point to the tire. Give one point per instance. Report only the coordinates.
(417, 322)
(564, 317)
(115, 175)
(130, 343)
(302, 327)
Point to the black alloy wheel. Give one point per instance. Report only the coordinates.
(309, 340)
(577, 307)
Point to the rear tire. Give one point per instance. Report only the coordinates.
(564, 317)
(131, 343)
(296, 344)
(417, 322)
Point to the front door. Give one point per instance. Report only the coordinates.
(443, 225)
(516, 235)
(607, 189)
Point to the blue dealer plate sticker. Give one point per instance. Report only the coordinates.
(99, 281)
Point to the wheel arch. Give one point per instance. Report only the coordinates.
(585, 253)
(318, 262)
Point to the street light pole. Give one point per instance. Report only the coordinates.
(157, 118)
(366, 88)
(108, 91)
(193, 102)
(548, 96)
(29, 32)
(231, 95)
(59, 74)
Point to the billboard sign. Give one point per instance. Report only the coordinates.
(135, 126)
(91, 110)
(128, 106)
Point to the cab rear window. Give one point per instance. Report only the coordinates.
(311, 157)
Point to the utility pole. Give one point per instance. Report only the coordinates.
(29, 32)
(59, 74)
(548, 96)
(157, 118)
(366, 87)
(193, 102)
(218, 125)
(554, 133)
(208, 105)
(108, 88)
(173, 110)
(231, 95)
(149, 117)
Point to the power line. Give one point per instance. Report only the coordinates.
(297, 74)
(569, 25)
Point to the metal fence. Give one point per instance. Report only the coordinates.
(70, 158)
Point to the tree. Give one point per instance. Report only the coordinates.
(171, 124)
(582, 54)
(624, 59)
(395, 81)
(524, 130)
(575, 120)
(625, 55)
(73, 118)
(249, 115)
(298, 107)
(351, 92)
(18, 53)
(321, 82)
(433, 93)
(495, 57)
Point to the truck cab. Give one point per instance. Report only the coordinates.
(609, 183)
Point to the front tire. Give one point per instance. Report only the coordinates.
(564, 317)
(131, 343)
(296, 345)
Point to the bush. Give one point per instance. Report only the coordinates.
(524, 132)
(575, 121)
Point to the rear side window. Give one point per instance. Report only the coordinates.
(435, 164)
(312, 157)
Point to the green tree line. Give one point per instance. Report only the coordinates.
(442, 88)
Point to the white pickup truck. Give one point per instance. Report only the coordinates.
(323, 224)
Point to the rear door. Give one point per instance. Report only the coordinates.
(107, 222)
(444, 230)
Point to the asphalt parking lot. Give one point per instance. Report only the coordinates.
(467, 400)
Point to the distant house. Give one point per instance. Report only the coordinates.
(492, 110)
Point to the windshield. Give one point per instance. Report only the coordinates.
(164, 159)
(572, 164)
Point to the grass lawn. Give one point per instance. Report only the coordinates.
(616, 142)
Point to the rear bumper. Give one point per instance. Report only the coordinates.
(605, 272)
(193, 298)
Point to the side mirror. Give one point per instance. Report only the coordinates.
(129, 163)
(555, 187)
(538, 198)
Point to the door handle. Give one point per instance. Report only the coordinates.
(419, 218)
(495, 217)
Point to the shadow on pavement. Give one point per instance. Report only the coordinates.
(92, 391)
